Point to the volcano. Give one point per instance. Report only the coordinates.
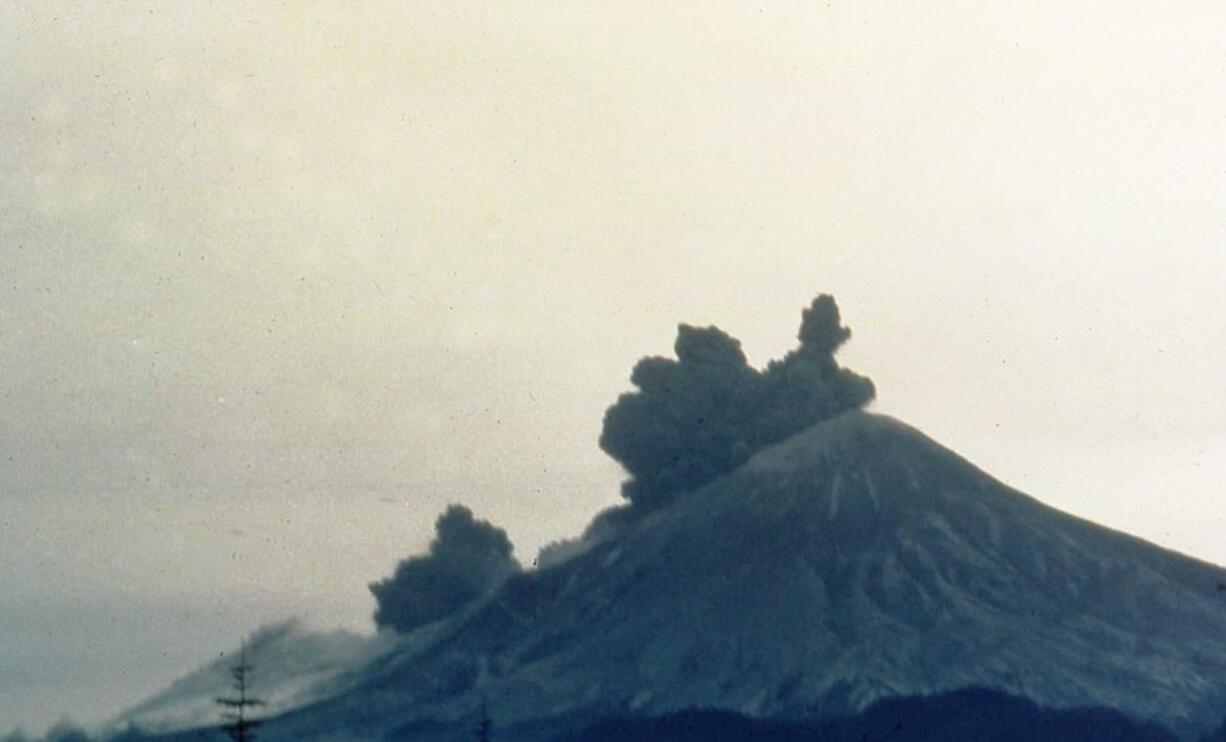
(856, 561)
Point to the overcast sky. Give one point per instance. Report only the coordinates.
(277, 283)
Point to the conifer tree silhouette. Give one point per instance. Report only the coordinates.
(237, 724)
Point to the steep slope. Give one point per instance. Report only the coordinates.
(855, 561)
(291, 666)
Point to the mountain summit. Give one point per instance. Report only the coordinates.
(854, 561)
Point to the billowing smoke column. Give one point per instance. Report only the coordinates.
(467, 559)
(689, 421)
(707, 412)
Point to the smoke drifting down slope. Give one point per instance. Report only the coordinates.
(783, 555)
(855, 561)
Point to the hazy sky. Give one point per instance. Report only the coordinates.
(277, 283)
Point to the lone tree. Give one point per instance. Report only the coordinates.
(237, 724)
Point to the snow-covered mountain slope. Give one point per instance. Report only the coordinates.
(854, 561)
(291, 666)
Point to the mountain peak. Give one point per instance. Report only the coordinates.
(836, 433)
(856, 467)
(855, 561)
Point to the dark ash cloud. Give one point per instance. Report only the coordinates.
(705, 413)
(467, 559)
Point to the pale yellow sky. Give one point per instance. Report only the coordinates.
(278, 282)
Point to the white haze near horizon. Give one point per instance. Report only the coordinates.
(277, 283)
